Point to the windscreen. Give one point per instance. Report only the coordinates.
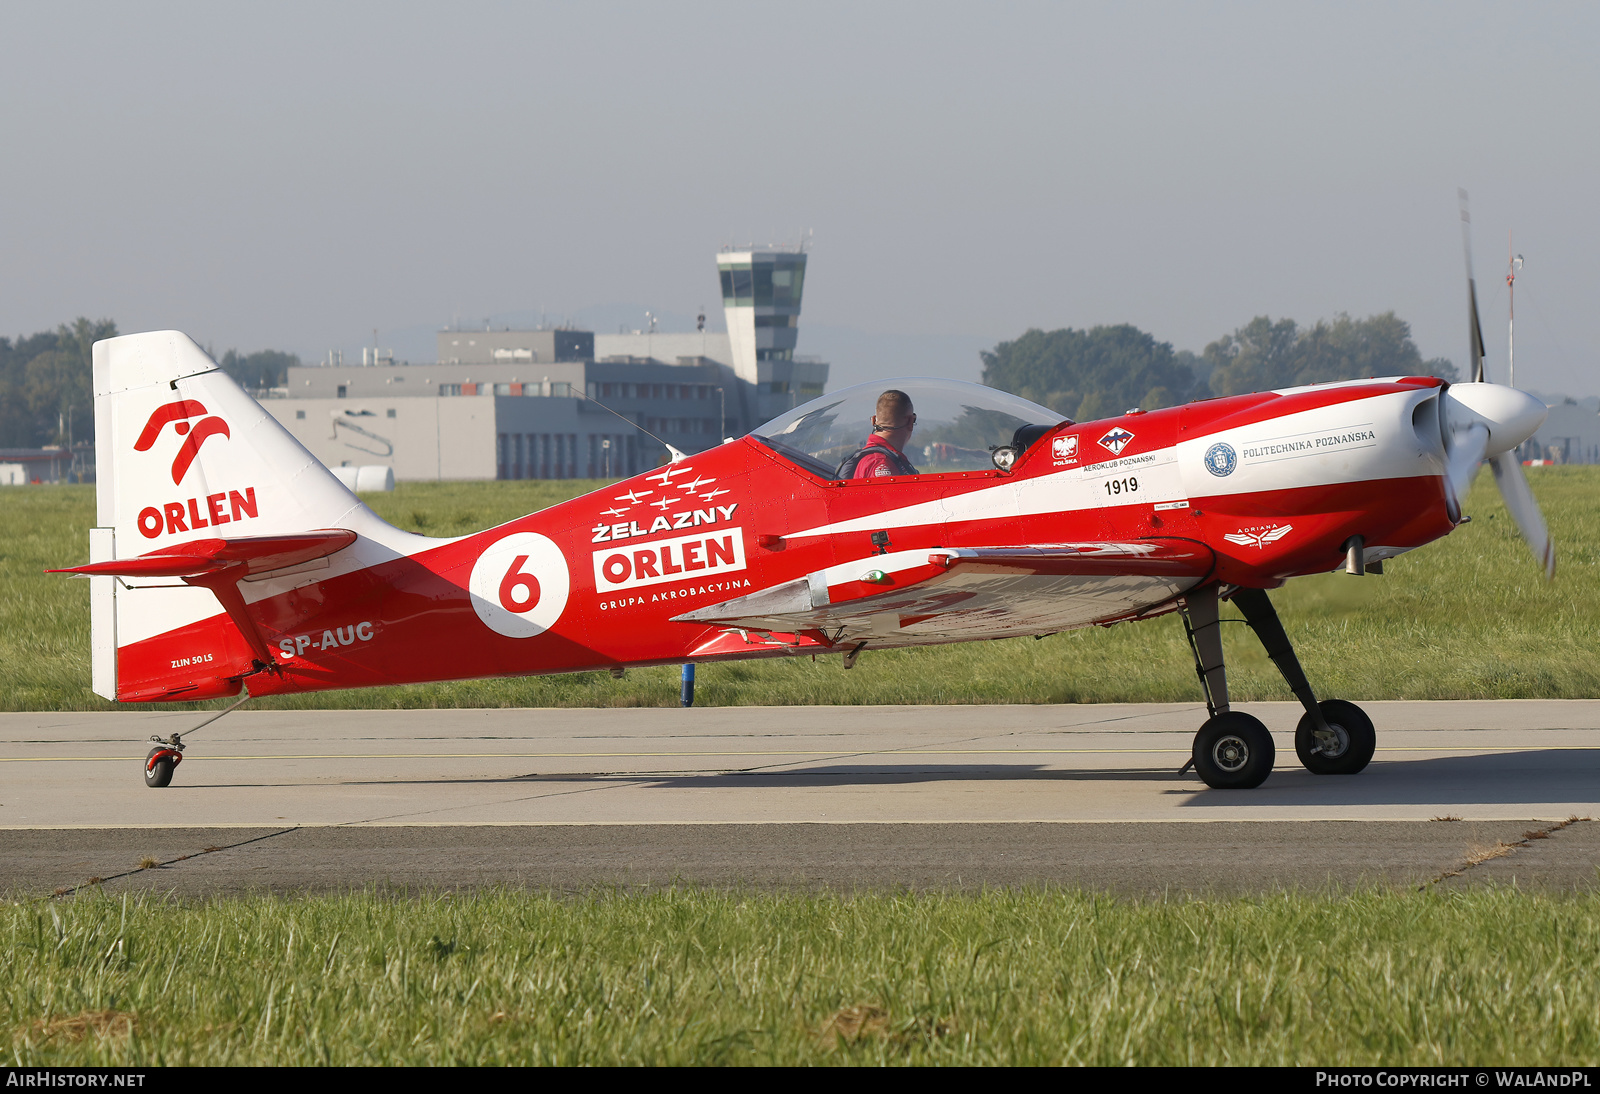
(958, 425)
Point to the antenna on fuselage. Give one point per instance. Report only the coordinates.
(674, 453)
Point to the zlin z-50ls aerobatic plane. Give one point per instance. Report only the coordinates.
(226, 556)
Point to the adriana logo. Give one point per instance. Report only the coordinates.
(1259, 536)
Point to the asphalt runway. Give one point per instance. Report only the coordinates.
(847, 797)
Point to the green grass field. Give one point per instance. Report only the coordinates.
(696, 976)
(1465, 618)
(701, 977)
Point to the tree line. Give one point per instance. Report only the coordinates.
(47, 382)
(1095, 373)
(46, 379)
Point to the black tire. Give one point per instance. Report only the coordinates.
(158, 774)
(1357, 740)
(1233, 751)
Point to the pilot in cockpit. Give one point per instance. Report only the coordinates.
(883, 454)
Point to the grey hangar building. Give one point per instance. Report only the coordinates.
(545, 403)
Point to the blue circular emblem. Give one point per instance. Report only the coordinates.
(1221, 460)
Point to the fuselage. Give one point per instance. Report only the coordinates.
(1273, 484)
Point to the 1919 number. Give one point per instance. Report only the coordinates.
(1122, 486)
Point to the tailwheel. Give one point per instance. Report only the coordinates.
(161, 760)
(1233, 751)
(1346, 749)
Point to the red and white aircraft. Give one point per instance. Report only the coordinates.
(226, 556)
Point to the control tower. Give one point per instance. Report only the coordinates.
(761, 292)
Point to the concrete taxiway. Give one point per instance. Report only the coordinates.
(851, 796)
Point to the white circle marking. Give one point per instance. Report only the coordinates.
(496, 570)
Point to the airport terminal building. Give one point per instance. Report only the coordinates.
(557, 403)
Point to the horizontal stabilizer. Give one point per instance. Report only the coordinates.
(220, 564)
(245, 556)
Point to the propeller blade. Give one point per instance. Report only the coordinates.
(1514, 490)
(1464, 451)
(1474, 327)
(1480, 419)
(1476, 332)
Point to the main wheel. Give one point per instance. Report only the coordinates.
(158, 774)
(1233, 751)
(1352, 748)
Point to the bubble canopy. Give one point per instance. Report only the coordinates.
(958, 425)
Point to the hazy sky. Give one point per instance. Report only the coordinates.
(292, 176)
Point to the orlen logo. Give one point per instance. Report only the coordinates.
(661, 560)
(196, 435)
(175, 517)
(192, 514)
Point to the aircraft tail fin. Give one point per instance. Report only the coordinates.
(189, 465)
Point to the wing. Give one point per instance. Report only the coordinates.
(956, 594)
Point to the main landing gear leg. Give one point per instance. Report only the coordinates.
(1334, 737)
(1232, 751)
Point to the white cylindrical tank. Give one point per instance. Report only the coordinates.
(372, 479)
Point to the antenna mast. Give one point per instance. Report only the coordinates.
(1513, 264)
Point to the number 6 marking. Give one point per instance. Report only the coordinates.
(516, 579)
(519, 585)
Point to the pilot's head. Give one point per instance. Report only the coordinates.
(894, 417)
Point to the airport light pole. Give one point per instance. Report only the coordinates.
(1513, 264)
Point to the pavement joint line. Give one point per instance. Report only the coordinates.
(778, 752)
(1044, 732)
(1064, 822)
(1502, 849)
(72, 890)
(666, 752)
